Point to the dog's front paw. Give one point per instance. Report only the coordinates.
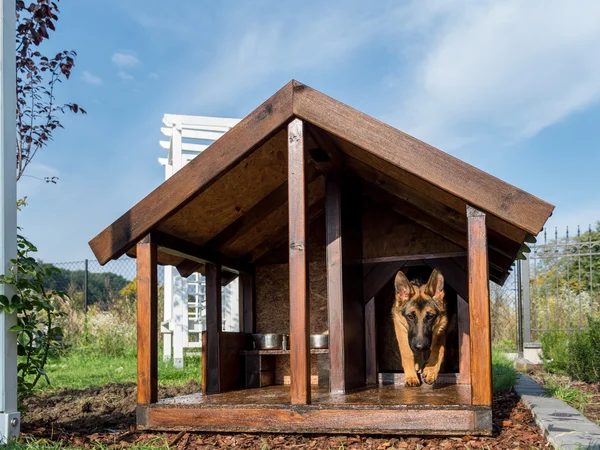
(430, 374)
(411, 380)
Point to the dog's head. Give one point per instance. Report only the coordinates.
(422, 307)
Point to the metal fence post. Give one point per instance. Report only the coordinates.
(519, 309)
(526, 295)
(85, 288)
(10, 420)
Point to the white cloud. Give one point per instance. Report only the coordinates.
(252, 50)
(125, 76)
(125, 59)
(90, 78)
(505, 69)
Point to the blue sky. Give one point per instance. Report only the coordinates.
(511, 87)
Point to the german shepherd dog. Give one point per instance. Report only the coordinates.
(421, 323)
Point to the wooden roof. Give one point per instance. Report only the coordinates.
(230, 202)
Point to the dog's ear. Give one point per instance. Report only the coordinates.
(404, 289)
(435, 285)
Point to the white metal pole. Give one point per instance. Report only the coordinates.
(10, 419)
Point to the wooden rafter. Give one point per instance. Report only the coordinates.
(451, 218)
(383, 145)
(498, 260)
(195, 177)
(188, 250)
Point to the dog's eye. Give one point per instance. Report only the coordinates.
(410, 316)
(429, 316)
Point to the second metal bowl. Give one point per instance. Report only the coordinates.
(319, 341)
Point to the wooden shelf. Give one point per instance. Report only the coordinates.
(313, 351)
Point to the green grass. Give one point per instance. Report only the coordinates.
(504, 375)
(79, 370)
(27, 443)
(564, 390)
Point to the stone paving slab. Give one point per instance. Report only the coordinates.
(563, 426)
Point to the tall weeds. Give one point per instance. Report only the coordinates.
(106, 331)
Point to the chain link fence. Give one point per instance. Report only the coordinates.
(560, 287)
(88, 283)
(504, 312)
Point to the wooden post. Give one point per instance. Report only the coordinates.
(371, 342)
(335, 297)
(299, 302)
(214, 325)
(147, 322)
(247, 316)
(464, 342)
(479, 309)
(347, 340)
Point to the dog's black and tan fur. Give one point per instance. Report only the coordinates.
(421, 323)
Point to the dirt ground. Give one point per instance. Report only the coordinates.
(105, 415)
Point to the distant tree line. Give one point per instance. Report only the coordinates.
(102, 287)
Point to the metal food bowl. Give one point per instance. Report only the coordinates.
(319, 341)
(268, 341)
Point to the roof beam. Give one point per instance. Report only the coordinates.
(184, 249)
(432, 207)
(274, 241)
(259, 212)
(321, 144)
(431, 223)
(384, 146)
(195, 177)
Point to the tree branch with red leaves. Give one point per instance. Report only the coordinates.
(38, 113)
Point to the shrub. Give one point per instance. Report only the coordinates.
(555, 352)
(576, 354)
(35, 307)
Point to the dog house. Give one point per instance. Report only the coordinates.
(316, 207)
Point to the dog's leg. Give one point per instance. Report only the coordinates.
(408, 359)
(436, 358)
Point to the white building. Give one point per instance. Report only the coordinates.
(184, 308)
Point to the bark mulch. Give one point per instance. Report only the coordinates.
(106, 416)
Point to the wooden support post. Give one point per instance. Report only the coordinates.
(147, 322)
(247, 316)
(464, 343)
(370, 342)
(346, 310)
(335, 295)
(214, 325)
(479, 309)
(298, 266)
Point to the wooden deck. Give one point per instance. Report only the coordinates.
(392, 409)
(395, 396)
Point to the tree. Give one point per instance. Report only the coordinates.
(103, 287)
(38, 114)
